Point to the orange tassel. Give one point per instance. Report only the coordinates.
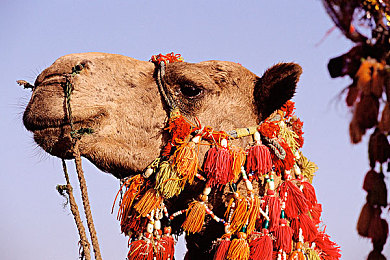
(239, 248)
(148, 202)
(186, 161)
(303, 222)
(238, 155)
(297, 255)
(254, 212)
(240, 215)
(195, 217)
(133, 188)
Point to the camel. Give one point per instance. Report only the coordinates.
(118, 97)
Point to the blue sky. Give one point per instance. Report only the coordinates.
(256, 34)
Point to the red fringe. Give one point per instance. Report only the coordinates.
(261, 248)
(297, 126)
(140, 250)
(296, 202)
(287, 163)
(283, 235)
(269, 129)
(238, 250)
(222, 250)
(259, 160)
(168, 243)
(309, 230)
(218, 166)
(330, 250)
(288, 108)
(179, 129)
(309, 193)
(274, 208)
(315, 213)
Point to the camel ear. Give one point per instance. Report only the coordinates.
(275, 87)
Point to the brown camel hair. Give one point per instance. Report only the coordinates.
(118, 98)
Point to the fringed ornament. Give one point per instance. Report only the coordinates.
(141, 249)
(218, 165)
(377, 195)
(223, 247)
(384, 124)
(376, 255)
(309, 193)
(239, 248)
(185, 160)
(283, 234)
(239, 217)
(352, 94)
(329, 249)
(378, 228)
(370, 77)
(195, 215)
(254, 212)
(309, 230)
(238, 160)
(311, 254)
(261, 248)
(168, 243)
(272, 201)
(259, 158)
(315, 213)
(296, 202)
(366, 112)
(297, 254)
(168, 183)
(378, 148)
(148, 202)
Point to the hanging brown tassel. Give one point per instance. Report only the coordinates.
(376, 255)
(296, 202)
(378, 228)
(366, 112)
(148, 202)
(141, 249)
(378, 148)
(195, 215)
(261, 248)
(218, 166)
(364, 220)
(384, 124)
(283, 235)
(378, 194)
(239, 248)
(355, 131)
(352, 95)
(223, 248)
(274, 208)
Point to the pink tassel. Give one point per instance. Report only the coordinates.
(218, 166)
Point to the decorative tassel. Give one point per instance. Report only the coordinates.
(315, 213)
(378, 228)
(223, 248)
(378, 148)
(186, 161)
(239, 216)
(384, 124)
(148, 202)
(366, 112)
(141, 249)
(168, 243)
(261, 248)
(370, 79)
(312, 254)
(303, 222)
(309, 193)
(283, 235)
(330, 250)
(297, 254)
(376, 255)
(274, 207)
(167, 181)
(238, 158)
(195, 217)
(133, 188)
(218, 166)
(239, 248)
(377, 190)
(288, 162)
(296, 202)
(355, 131)
(259, 158)
(254, 212)
(352, 95)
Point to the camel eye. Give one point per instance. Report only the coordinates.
(190, 91)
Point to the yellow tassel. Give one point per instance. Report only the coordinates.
(312, 254)
(186, 162)
(150, 201)
(167, 181)
(239, 156)
(254, 212)
(195, 215)
(239, 248)
(289, 135)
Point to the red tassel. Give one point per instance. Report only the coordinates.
(309, 193)
(239, 248)
(309, 230)
(287, 163)
(274, 209)
(330, 250)
(315, 213)
(283, 235)
(168, 243)
(296, 202)
(223, 248)
(218, 166)
(261, 248)
(141, 249)
(259, 160)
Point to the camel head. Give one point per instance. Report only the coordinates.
(118, 98)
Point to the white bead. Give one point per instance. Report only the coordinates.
(206, 191)
(149, 228)
(256, 136)
(271, 185)
(227, 229)
(297, 155)
(196, 139)
(148, 172)
(224, 143)
(297, 169)
(157, 224)
(249, 185)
